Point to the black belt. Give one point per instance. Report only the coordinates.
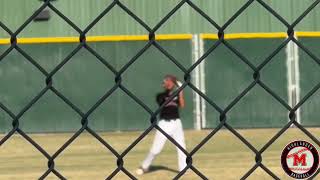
(173, 119)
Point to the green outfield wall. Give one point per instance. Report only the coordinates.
(255, 18)
(309, 78)
(227, 76)
(83, 80)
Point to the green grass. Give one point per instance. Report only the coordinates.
(223, 157)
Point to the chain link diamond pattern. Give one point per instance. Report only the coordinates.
(256, 81)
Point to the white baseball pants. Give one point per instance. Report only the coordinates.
(175, 130)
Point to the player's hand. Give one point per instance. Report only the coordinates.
(179, 84)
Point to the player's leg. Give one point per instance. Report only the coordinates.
(158, 143)
(178, 136)
(157, 146)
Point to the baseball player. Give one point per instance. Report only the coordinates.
(169, 122)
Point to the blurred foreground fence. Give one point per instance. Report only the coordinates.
(84, 80)
(231, 81)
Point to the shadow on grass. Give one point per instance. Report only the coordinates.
(155, 168)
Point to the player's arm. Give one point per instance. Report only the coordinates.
(181, 97)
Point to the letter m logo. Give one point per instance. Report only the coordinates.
(299, 160)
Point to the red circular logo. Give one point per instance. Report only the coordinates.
(300, 159)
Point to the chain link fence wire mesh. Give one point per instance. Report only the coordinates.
(256, 81)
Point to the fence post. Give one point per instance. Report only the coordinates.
(199, 82)
(196, 82)
(293, 73)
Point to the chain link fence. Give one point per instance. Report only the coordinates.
(256, 81)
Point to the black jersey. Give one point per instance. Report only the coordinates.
(170, 110)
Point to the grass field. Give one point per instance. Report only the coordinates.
(224, 157)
